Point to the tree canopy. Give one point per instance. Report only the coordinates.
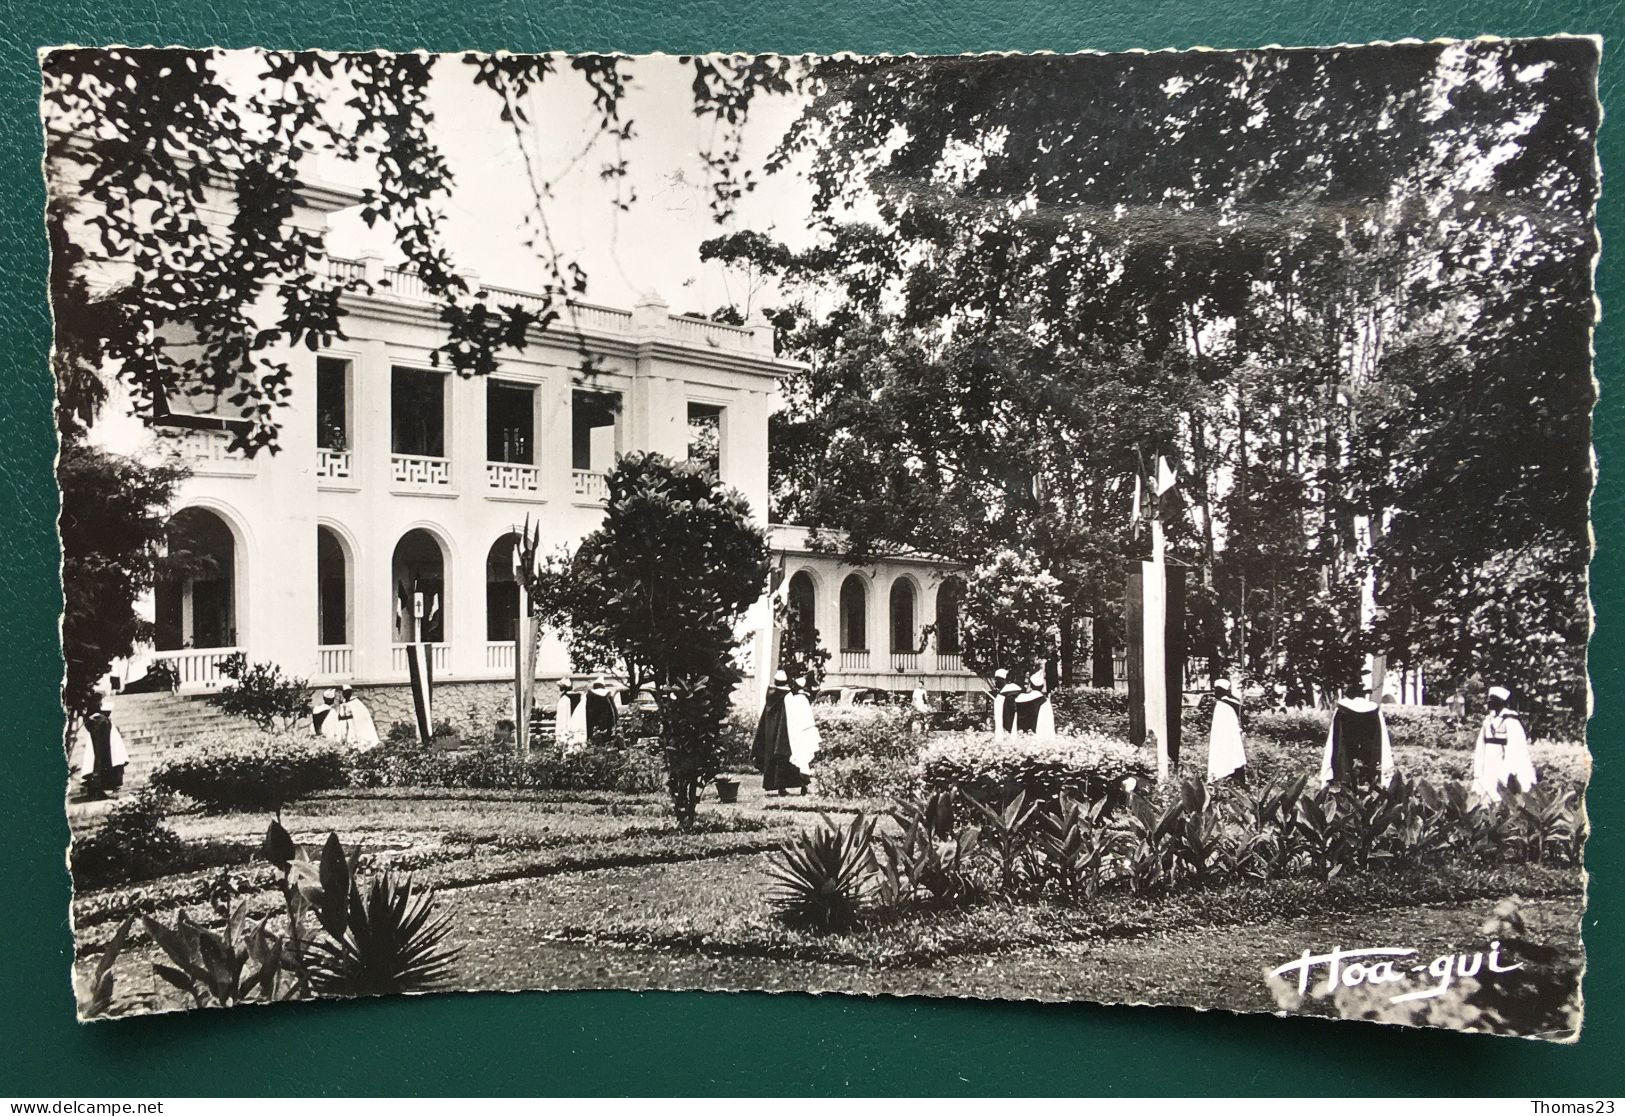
(1347, 291)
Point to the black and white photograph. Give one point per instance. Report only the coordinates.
(1061, 527)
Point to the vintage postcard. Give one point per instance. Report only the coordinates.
(1105, 527)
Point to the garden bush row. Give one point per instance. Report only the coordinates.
(1071, 850)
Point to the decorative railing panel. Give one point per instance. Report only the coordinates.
(504, 476)
(591, 487)
(905, 661)
(196, 667)
(425, 472)
(332, 464)
(336, 661)
(439, 655)
(854, 660)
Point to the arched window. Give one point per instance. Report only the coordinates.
(854, 614)
(902, 617)
(950, 598)
(196, 605)
(501, 591)
(419, 566)
(332, 590)
(801, 598)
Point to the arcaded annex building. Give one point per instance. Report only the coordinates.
(395, 475)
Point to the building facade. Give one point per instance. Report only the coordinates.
(392, 505)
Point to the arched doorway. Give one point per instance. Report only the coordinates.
(854, 622)
(801, 599)
(332, 589)
(195, 602)
(501, 591)
(419, 567)
(904, 652)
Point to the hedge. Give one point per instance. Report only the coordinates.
(994, 771)
(491, 765)
(251, 770)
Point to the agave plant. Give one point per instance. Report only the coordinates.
(376, 940)
(392, 942)
(825, 875)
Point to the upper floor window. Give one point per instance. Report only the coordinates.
(594, 430)
(417, 413)
(332, 403)
(510, 423)
(705, 436)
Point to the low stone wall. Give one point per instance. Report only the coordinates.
(470, 707)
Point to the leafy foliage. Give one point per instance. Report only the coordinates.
(660, 589)
(261, 693)
(230, 770)
(994, 771)
(132, 843)
(1318, 281)
(824, 874)
(112, 531)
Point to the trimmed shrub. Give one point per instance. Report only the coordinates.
(882, 732)
(1087, 709)
(251, 770)
(994, 771)
(738, 742)
(132, 844)
(862, 777)
(494, 765)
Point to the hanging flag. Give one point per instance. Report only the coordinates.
(434, 610)
(1165, 476)
(420, 666)
(1134, 515)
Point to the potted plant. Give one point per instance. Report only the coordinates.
(727, 788)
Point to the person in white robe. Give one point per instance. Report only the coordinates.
(355, 722)
(1226, 756)
(1358, 749)
(1001, 683)
(1501, 756)
(99, 753)
(570, 718)
(802, 729)
(322, 720)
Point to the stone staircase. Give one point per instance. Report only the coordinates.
(153, 725)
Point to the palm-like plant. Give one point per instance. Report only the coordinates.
(824, 876)
(392, 942)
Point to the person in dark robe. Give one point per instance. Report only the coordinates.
(1358, 751)
(1007, 708)
(1033, 714)
(772, 752)
(1001, 679)
(601, 713)
(101, 756)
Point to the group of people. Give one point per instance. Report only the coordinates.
(786, 736)
(1022, 707)
(1359, 750)
(342, 716)
(585, 716)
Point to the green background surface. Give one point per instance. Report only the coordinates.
(696, 1043)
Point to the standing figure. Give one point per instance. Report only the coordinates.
(1001, 679)
(772, 750)
(1034, 714)
(803, 731)
(355, 722)
(1007, 708)
(1357, 746)
(1501, 756)
(1225, 754)
(601, 712)
(322, 721)
(100, 757)
(570, 718)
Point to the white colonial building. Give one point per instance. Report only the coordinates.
(396, 478)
